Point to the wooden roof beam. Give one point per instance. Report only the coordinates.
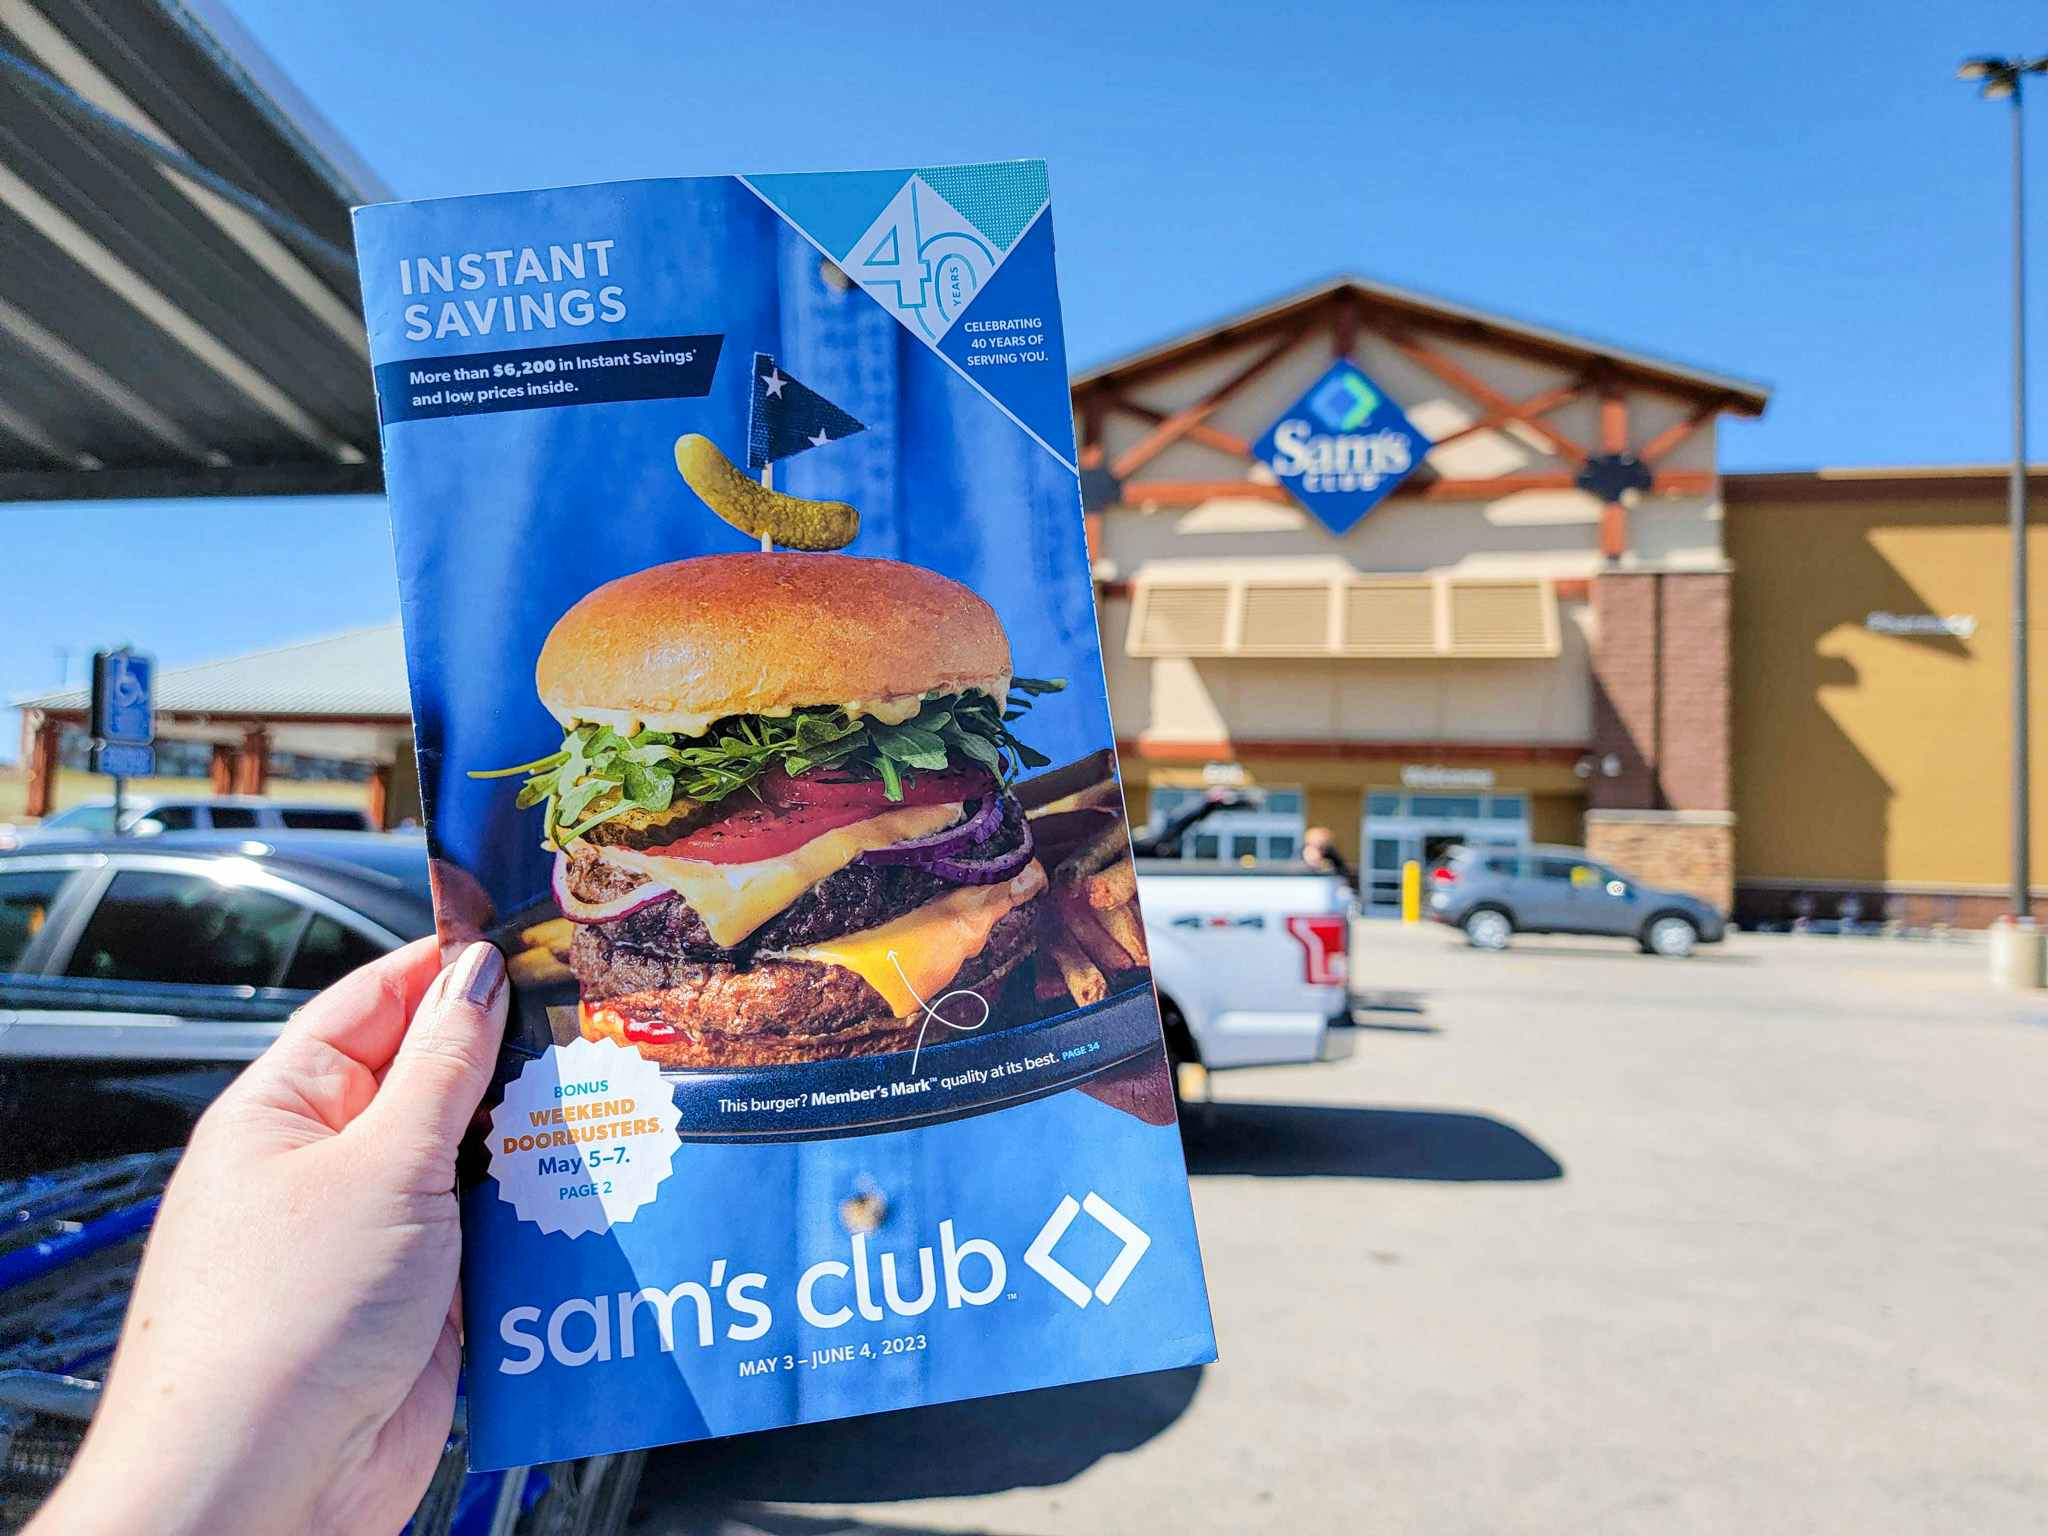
(1481, 393)
(1189, 493)
(1176, 426)
(1518, 410)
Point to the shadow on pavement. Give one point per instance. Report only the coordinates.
(951, 1450)
(1622, 950)
(1331, 1141)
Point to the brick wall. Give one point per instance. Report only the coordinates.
(1693, 726)
(1625, 663)
(1660, 690)
(1692, 852)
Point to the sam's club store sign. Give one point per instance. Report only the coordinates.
(1341, 447)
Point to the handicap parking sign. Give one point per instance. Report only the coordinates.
(1342, 447)
(123, 703)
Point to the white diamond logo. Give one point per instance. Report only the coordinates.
(922, 259)
(1070, 1285)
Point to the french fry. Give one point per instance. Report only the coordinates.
(1085, 984)
(537, 968)
(1093, 856)
(1121, 923)
(1087, 931)
(1046, 981)
(1041, 790)
(1115, 886)
(1058, 833)
(553, 936)
(1102, 795)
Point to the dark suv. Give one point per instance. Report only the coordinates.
(1495, 893)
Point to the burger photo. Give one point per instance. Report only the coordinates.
(780, 813)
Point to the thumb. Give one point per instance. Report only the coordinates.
(445, 1059)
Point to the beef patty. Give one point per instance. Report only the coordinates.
(777, 1011)
(722, 993)
(857, 897)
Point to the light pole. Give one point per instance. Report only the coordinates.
(2000, 79)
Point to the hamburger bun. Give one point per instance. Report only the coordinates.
(678, 646)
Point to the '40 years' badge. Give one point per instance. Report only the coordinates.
(583, 1138)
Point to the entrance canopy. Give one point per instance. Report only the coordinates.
(178, 304)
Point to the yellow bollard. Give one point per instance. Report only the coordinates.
(1411, 892)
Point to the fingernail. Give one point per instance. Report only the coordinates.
(482, 974)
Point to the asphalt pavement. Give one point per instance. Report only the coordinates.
(1577, 1241)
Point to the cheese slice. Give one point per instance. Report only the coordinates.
(735, 899)
(911, 959)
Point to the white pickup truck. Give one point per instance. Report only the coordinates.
(1249, 961)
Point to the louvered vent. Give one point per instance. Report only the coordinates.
(1285, 621)
(1180, 621)
(1390, 618)
(1503, 618)
(1376, 616)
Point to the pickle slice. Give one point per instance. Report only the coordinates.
(791, 521)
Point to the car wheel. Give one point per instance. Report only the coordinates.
(1671, 936)
(1488, 928)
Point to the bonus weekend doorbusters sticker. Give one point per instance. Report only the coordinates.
(760, 719)
(583, 1137)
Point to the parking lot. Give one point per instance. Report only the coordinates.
(1577, 1241)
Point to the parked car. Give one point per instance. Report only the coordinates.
(191, 947)
(142, 816)
(1495, 893)
(1249, 961)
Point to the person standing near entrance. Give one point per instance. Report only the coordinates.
(1319, 851)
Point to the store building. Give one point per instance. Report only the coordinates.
(1528, 638)
(340, 699)
(1872, 694)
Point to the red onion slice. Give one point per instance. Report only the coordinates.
(578, 910)
(990, 870)
(921, 851)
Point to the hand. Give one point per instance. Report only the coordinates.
(290, 1353)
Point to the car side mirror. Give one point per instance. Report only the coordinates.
(1620, 888)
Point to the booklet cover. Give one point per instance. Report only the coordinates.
(761, 721)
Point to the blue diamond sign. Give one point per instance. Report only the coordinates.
(1341, 447)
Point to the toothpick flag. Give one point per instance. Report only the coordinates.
(788, 418)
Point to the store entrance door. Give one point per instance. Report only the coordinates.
(1401, 825)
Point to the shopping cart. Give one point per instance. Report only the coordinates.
(69, 1244)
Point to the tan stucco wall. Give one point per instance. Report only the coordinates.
(1872, 757)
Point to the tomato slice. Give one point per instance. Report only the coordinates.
(789, 812)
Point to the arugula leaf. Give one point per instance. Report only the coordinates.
(599, 773)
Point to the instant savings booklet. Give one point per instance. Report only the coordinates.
(761, 722)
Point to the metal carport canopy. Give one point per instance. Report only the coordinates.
(178, 305)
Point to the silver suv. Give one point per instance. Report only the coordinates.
(1495, 893)
(143, 816)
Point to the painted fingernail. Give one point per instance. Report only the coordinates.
(483, 974)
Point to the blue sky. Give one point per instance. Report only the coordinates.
(1797, 194)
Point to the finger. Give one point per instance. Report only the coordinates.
(324, 1065)
(445, 1057)
(363, 1015)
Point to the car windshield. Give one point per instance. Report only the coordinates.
(83, 818)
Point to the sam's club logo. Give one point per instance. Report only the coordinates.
(1341, 447)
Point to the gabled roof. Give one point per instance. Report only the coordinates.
(1388, 305)
(359, 675)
